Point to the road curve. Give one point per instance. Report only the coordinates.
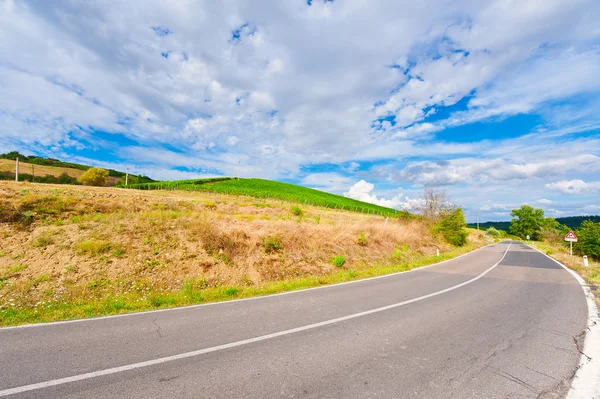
(503, 321)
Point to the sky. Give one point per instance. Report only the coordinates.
(495, 102)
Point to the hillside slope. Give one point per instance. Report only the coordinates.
(72, 251)
(260, 188)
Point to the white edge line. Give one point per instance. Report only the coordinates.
(586, 382)
(114, 370)
(254, 298)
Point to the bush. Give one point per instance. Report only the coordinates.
(492, 232)
(588, 243)
(272, 244)
(94, 177)
(362, 240)
(338, 261)
(296, 211)
(452, 227)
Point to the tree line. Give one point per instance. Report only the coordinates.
(529, 221)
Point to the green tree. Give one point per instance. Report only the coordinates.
(94, 177)
(588, 239)
(452, 226)
(527, 221)
(494, 233)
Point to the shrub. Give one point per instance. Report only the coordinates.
(43, 241)
(272, 244)
(452, 227)
(362, 240)
(492, 232)
(588, 236)
(94, 177)
(296, 211)
(338, 261)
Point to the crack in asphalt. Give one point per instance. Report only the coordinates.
(158, 328)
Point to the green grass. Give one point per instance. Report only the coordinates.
(103, 297)
(338, 261)
(259, 188)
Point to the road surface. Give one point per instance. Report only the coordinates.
(501, 322)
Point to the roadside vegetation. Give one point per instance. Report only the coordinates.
(70, 252)
(548, 236)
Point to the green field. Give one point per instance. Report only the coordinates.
(260, 188)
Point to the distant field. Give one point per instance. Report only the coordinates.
(8, 166)
(260, 188)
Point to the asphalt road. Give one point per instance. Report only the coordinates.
(501, 322)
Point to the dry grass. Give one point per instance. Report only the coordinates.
(73, 243)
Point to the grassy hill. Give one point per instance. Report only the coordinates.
(49, 170)
(260, 188)
(74, 251)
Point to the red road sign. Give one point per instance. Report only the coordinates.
(571, 237)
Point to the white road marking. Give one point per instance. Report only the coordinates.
(586, 383)
(114, 370)
(329, 286)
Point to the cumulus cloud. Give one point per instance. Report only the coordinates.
(574, 187)
(363, 191)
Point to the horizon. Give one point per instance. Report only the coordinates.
(494, 103)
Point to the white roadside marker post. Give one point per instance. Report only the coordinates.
(437, 252)
(17, 170)
(585, 261)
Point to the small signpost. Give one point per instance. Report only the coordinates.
(571, 237)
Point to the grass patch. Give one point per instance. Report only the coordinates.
(93, 247)
(338, 261)
(362, 240)
(296, 211)
(43, 241)
(272, 244)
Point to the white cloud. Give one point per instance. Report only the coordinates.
(574, 187)
(363, 190)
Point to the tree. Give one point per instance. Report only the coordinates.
(588, 236)
(452, 226)
(492, 232)
(94, 177)
(435, 204)
(527, 221)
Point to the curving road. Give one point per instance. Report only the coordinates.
(501, 322)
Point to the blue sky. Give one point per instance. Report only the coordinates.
(495, 102)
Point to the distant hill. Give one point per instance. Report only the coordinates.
(49, 170)
(260, 188)
(572, 222)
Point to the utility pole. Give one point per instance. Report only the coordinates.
(477, 216)
(126, 176)
(32, 173)
(17, 170)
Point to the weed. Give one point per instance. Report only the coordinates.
(222, 256)
(93, 247)
(118, 253)
(18, 256)
(296, 211)
(40, 279)
(159, 300)
(148, 241)
(210, 205)
(2, 254)
(71, 268)
(362, 240)
(16, 269)
(318, 219)
(231, 291)
(338, 261)
(549, 252)
(97, 283)
(43, 241)
(272, 244)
